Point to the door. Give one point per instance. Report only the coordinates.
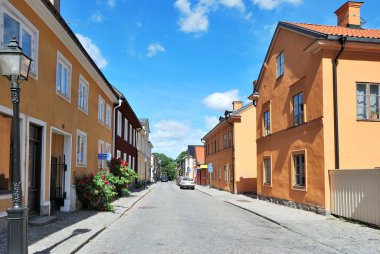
(57, 174)
(34, 174)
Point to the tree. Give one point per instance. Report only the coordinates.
(168, 166)
(178, 161)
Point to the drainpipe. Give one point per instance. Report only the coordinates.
(342, 41)
(114, 128)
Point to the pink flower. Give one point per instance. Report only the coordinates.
(103, 177)
(106, 182)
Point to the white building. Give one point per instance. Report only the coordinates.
(144, 151)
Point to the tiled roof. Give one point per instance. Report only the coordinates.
(340, 30)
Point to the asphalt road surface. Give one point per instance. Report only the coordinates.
(171, 220)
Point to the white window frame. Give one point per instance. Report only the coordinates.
(83, 162)
(130, 134)
(83, 83)
(129, 160)
(108, 116)
(101, 108)
(134, 137)
(118, 154)
(101, 145)
(267, 168)
(108, 148)
(61, 59)
(119, 123)
(124, 157)
(26, 25)
(126, 129)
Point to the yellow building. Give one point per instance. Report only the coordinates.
(66, 109)
(318, 105)
(230, 148)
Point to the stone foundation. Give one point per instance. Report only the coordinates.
(292, 204)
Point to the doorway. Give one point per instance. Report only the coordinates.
(34, 174)
(57, 174)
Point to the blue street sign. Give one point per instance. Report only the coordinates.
(188, 170)
(104, 156)
(210, 167)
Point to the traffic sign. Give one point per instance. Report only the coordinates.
(104, 156)
(210, 168)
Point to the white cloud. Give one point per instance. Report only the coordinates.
(92, 50)
(154, 48)
(171, 137)
(221, 101)
(111, 3)
(211, 121)
(194, 19)
(97, 17)
(271, 4)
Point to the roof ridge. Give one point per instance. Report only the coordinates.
(332, 26)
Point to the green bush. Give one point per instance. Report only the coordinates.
(123, 175)
(96, 191)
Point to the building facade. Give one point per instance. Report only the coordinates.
(155, 165)
(65, 109)
(317, 100)
(230, 149)
(127, 125)
(144, 148)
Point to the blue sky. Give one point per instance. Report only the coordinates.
(181, 63)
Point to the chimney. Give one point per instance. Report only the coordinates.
(349, 14)
(237, 105)
(57, 4)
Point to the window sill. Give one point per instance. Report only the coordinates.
(299, 188)
(267, 184)
(279, 77)
(66, 98)
(83, 111)
(368, 120)
(81, 165)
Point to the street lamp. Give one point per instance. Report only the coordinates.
(15, 66)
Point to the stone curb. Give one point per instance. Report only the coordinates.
(94, 234)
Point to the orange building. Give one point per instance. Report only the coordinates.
(229, 149)
(317, 98)
(66, 109)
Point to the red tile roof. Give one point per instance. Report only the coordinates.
(340, 30)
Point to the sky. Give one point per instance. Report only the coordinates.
(181, 63)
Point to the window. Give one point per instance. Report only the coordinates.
(267, 123)
(299, 170)
(119, 123)
(126, 124)
(108, 116)
(100, 150)
(230, 138)
(134, 138)
(101, 110)
(81, 148)
(6, 152)
(280, 64)
(63, 82)
(124, 157)
(267, 171)
(367, 101)
(133, 163)
(298, 109)
(220, 174)
(83, 95)
(16, 25)
(108, 148)
(130, 134)
(118, 154)
(224, 140)
(225, 173)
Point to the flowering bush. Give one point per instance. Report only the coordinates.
(96, 191)
(123, 175)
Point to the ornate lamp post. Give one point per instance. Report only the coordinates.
(15, 65)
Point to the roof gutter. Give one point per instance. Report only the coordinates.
(342, 41)
(227, 115)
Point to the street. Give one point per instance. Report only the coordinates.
(171, 220)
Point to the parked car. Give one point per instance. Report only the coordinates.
(178, 180)
(187, 183)
(164, 179)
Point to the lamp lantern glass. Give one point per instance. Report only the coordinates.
(14, 62)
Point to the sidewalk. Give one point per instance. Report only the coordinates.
(72, 230)
(342, 236)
